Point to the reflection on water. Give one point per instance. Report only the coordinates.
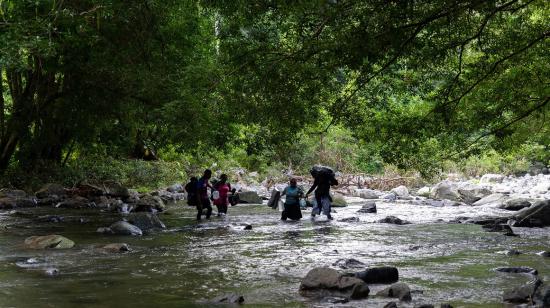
(189, 263)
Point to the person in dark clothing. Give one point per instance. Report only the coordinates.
(292, 202)
(321, 184)
(202, 190)
(191, 189)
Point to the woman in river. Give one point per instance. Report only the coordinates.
(223, 188)
(293, 194)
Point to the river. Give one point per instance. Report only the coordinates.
(188, 263)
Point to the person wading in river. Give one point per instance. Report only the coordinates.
(223, 188)
(323, 180)
(202, 190)
(292, 202)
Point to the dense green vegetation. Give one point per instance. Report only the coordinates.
(270, 85)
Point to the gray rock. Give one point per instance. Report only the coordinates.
(327, 281)
(391, 305)
(512, 252)
(51, 272)
(397, 290)
(367, 193)
(125, 228)
(231, 298)
(52, 241)
(146, 221)
(369, 207)
(517, 270)
(445, 190)
(383, 274)
(522, 294)
(339, 201)
(349, 263)
(250, 197)
(389, 197)
(393, 220)
(424, 306)
(515, 204)
(335, 300)
(492, 199)
(50, 190)
(176, 188)
(116, 247)
(492, 178)
(16, 202)
(150, 203)
(471, 193)
(401, 191)
(537, 215)
(349, 219)
(76, 202)
(542, 296)
(424, 191)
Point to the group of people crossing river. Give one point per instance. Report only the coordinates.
(223, 195)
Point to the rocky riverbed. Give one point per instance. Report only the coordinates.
(440, 256)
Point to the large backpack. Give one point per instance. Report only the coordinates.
(322, 172)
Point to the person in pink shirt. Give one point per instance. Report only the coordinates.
(222, 202)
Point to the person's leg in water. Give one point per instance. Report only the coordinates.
(199, 211)
(223, 209)
(317, 206)
(284, 215)
(208, 207)
(220, 210)
(326, 206)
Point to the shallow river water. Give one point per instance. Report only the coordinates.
(187, 264)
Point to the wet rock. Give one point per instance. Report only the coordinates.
(424, 191)
(401, 191)
(248, 227)
(349, 219)
(515, 204)
(512, 252)
(517, 270)
(496, 199)
(31, 263)
(389, 197)
(250, 197)
(328, 282)
(367, 193)
(125, 228)
(459, 220)
(424, 306)
(50, 218)
(545, 254)
(369, 207)
(104, 230)
(445, 190)
(14, 193)
(397, 290)
(471, 193)
(393, 220)
(339, 201)
(146, 221)
(51, 272)
(51, 190)
(391, 305)
(76, 202)
(542, 296)
(52, 241)
(334, 300)
(349, 263)
(506, 229)
(384, 274)
(116, 247)
(446, 306)
(537, 215)
(150, 203)
(522, 294)
(485, 220)
(7, 203)
(492, 178)
(231, 298)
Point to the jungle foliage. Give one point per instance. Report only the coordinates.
(356, 84)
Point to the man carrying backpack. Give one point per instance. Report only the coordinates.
(323, 179)
(202, 190)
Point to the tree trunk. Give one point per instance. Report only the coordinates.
(2, 106)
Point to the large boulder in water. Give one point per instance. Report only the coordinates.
(424, 191)
(250, 197)
(496, 200)
(146, 221)
(537, 215)
(384, 274)
(15, 202)
(76, 202)
(149, 203)
(471, 193)
(401, 191)
(393, 220)
(515, 204)
(367, 193)
(397, 290)
(445, 190)
(369, 207)
(492, 178)
(328, 282)
(125, 228)
(51, 190)
(522, 294)
(52, 241)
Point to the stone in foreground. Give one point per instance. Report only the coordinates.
(324, 281)
(397, 290)
(52, 241)
(383, 274)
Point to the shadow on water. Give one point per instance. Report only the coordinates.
(189, 263)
